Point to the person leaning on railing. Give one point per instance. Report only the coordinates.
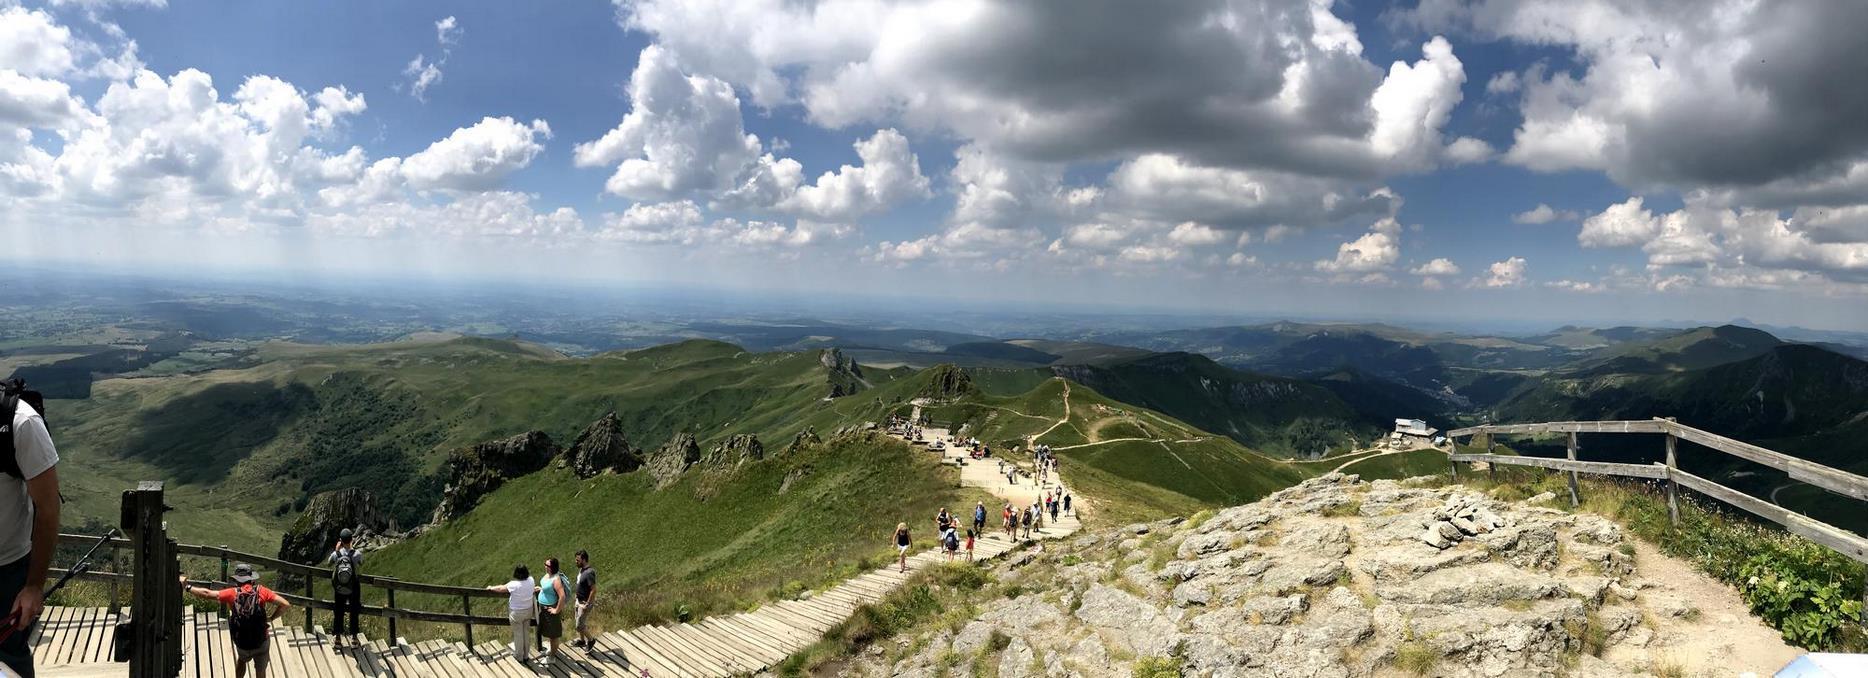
(519, 594)
(28, 523)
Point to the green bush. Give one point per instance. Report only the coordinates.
(1156, 667)
(1809, 612)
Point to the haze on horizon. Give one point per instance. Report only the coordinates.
(1497, 160)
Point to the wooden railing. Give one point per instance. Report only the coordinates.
(1834, 480)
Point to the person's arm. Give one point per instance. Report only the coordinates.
(557, 584)
(499, 589)
(43, 489)
(279, 608)
(199, 592)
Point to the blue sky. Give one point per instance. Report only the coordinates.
(1256, 156)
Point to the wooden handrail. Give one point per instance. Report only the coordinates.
(385, 612)
(1834, 480)
(317, 570)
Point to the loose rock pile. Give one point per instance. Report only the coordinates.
(1462, 516)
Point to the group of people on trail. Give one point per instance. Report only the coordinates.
(1044, 462)
(541, 601)
(1018, 523)
(948, 527)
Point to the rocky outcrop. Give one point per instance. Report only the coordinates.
(946, 382)
(667, 464)
(474, 472)
(804, 440)
(735, 450)
(601, 448)
(315, 531)
(844, 375)
(1332, 577)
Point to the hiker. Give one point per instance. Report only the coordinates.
(970, 535)
(1025, 517)
(943, 521)
(979, 517)
(1067, 502)
(1037, 517)
(29, 503)
(553, 590)
(248, 621)
(586, 595)
(1009, 524)
(1053, 510)
(901, 545)
(950, 542)
(519, 593)
(345, 563)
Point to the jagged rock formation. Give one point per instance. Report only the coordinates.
(805, 439)
(946, 382)
(674, 457)
(1332, 578)
(315, 531)
(845, 376)
(473, 472)
(735, 450)
(601, 447)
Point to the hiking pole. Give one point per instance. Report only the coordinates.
(83, 565)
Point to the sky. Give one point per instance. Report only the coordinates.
(1516, 160)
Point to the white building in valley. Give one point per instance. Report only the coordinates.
(1414, 427)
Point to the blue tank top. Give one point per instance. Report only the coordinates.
(548, 594)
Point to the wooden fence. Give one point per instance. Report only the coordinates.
(1837, 481)
(154, 569)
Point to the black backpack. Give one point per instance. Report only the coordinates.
(12, 393)
(344, 571)
(247, 623)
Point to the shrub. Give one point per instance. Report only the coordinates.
(1415, 657)
(1156, 667)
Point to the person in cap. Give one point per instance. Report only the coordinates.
(346, 565)
(249, 619)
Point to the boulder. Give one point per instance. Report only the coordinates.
(473, 472)
(601, 448)
(315, 531)
(805, 439)
(667, 464)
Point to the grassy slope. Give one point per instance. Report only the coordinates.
(717, 540)
(243, 447)
(1178, 469)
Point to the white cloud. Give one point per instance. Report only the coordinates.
(682, 135)
(1504, 82)
(36, 102)
(1578, 286)
(1281, 85)
(1544, 214)
(1622, 224)
(1190, 234)
(477, 158)
(422, 74)
(1507, 273)
(1168, 188)
(448, 31)
(890, 174)
(1441, 266)
(1467, 150)
(33, 44)
(1374, 251)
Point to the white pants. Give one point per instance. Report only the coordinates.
(519, 620)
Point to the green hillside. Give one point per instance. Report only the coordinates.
(718, 539)
(306, 419)
(1692, 349)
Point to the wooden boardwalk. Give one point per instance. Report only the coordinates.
(75, 642)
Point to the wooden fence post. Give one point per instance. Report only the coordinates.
(311, 602)
(1491, 447)
(155, 592)
(390, 610)
(1574, 500)
(467, 610)
(1673, 487)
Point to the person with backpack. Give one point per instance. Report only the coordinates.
(345, 564)
(979, 517)
(249, 622)
(519, 596)
(1067, 503)
(1025, 517)
(29, 508)
(552, 592)
(586, 596)
(950, 543)
(1053, 509)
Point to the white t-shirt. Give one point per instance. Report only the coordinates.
(32, 446)
(520, 594)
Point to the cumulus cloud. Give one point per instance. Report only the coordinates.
(1441, 266)
(33, 44)
(1374, 251)
(477, 158)
(1622, 224)
(1280, 85)
(1167, 187)
(890, 174)
(1507, 273)
(1544, 214)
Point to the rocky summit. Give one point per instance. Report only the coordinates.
(476, 471)
(1336, 578)
(600, 448)
(674, 457)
